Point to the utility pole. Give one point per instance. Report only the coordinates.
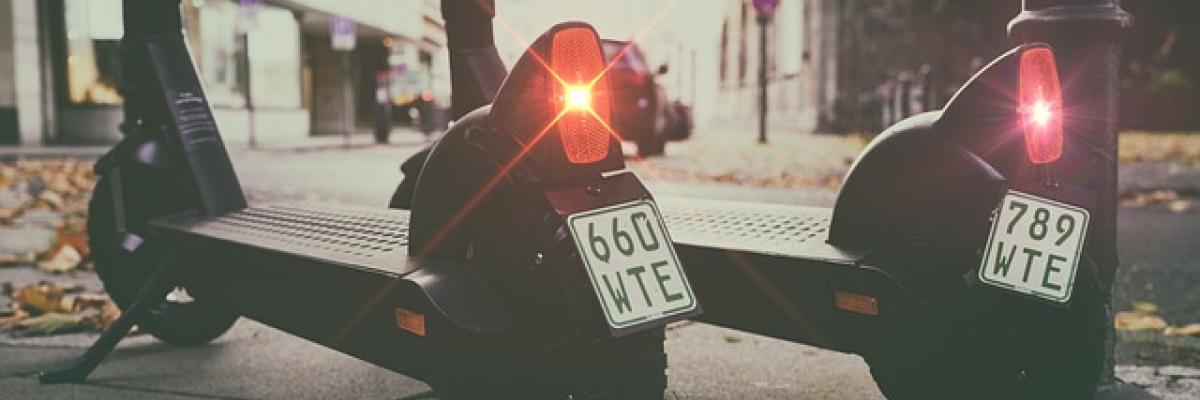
(248, 21)
(765, 9)
(1085, 36)
(342, 38)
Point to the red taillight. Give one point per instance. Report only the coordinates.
(1041, 106)
(581, 95)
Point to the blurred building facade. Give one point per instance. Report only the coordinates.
(59, 65)
(861, 65)
(801, 73)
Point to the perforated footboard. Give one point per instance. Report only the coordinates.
(370, 237)
(793, 231)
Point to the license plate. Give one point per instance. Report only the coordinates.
(632, 263)
(1035, 246)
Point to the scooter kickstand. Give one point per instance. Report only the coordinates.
(155, 289)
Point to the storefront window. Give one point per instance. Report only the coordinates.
(93, 34)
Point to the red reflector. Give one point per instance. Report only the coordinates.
(1041, 106)
(582, 95)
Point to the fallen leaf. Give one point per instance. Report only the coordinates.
(74, 234)
(1180, 206)
(39, 298)
(732, 339)
(1188, 330)
(1136, 321)
(1144, 307)
(85, 301)
(64, 259)
(52, 199)
(51, 323)
(108, 314)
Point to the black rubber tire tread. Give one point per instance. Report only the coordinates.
(1056, 360)
(123, 273)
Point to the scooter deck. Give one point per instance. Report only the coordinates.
(357, 237)
(378, 238)
(761, 228)
(765, 257)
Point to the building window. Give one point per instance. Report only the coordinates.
(93, 33)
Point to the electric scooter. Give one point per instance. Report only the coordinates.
(531, 265)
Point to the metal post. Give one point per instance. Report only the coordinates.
(762, 78)
(253, 126)
(1085, 36)
(347, 98)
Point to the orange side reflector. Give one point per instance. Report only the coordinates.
(858, 303)
(411, 321)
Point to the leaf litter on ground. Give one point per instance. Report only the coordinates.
(1143, 317)
(49, 194)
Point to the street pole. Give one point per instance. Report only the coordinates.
(347, 98)
(252, 127)
(762, 78)
(1085, 36)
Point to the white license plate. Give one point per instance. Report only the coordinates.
(632, 263)
(1035, 246)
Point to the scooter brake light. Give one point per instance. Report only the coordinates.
(1040, 106)
(581, 95)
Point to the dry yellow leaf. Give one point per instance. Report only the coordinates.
(64, 259)
(1144, 307)
(1136, 321)
(39, 298)
(52, 199)
(1180, 206)
(1188, 330)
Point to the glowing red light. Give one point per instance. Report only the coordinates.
(582, 95)
(1041, 106)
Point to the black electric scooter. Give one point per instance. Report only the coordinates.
(531, 265)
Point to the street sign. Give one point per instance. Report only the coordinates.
(247, 19)
(766, 8)
(342, 33)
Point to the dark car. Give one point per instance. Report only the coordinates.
(641, 113)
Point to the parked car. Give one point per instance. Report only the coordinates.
(641, 112)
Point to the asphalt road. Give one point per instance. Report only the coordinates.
(254, 361)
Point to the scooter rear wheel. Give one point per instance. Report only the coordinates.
(1052, 359)
(123, 272)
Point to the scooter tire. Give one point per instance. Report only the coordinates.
(1059, 360)
(124, 272)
